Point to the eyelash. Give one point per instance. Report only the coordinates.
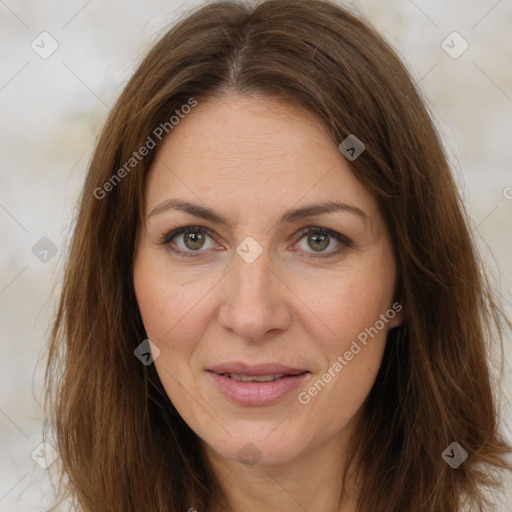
(166, 240)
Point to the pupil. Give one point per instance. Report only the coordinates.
(196, 239)
(318, 237)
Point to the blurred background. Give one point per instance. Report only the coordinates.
(62, 66)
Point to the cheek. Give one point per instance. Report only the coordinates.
(355, 309)
(165, 304)
(355, 341)
(176, 312)
(153, 296)
(350, 303)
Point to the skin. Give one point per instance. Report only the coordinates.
(250, 159)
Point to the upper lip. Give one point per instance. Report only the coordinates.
(256, 369)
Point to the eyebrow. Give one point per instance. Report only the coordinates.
(288, 217)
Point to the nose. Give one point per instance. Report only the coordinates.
(254, 299)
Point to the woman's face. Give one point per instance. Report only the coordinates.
(251, 291)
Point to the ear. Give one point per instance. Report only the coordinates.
(399, 316)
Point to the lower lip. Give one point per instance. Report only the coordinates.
(257, 393)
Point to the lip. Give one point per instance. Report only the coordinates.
(257, 393)
(255, 370)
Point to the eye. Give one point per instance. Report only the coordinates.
(194, 238)
(319, 239)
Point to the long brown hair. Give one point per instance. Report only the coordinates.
(123, 446)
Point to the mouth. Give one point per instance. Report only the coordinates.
(258, 378)
(239, 370)
(256, 385)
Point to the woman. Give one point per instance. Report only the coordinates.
(272, 300)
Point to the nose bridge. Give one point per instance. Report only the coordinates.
(251, 275)
(252, 284)
(252, 278)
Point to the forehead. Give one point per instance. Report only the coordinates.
(252, 153)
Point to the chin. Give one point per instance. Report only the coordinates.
(252, 448)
